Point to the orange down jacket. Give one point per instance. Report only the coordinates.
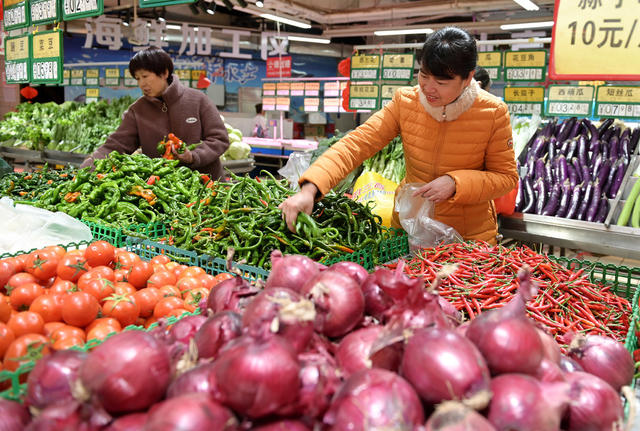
(474, 146)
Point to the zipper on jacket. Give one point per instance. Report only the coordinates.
(164, 106)
(442, 126)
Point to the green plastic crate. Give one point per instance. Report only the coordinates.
(216, 265)
(393, 246)
(364, 257)
(148, 249)
(69, 246)
(117, 236)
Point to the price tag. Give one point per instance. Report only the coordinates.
(66, 77)
(92, 77)
(195, 77)
(311, 104)
(283, 103)
(269, 89)
(525, 65)
(618, 102)
(112, 77)
(491, 61)
(524, 100)
(332, 89)
(297, 88)
(331, 104)
(386, 93)
(46, 52)
(363, 96)
(44, 11)
(129, 81)
(397, 67)
(73, 9)
(77, 77)
(570, 100)
(91, 95)
(283, 88)
(365, 67)
(15, 14)
(269, 103)
(184, 75)
(17, 60)
(312, 89)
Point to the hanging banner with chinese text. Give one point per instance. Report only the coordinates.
(595, 40)
(332, 89)
(92, 77)
(570, 100)
(16, 14)
(365, 67)
(363, 96)
(17, 59)
(524, 100)
(279, 67)
(397, 67)
(525, 65)
(74, 9)
(618, 102)
(491, 61)
(112, 77)
(184, 75)
(283, 103)
(269, 103)
(46, 57)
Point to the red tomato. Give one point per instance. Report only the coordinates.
(121, 274)
(18, 279)
(124, 288)
(72, 266)
(160, 259)
(140, 273)
(123, 308)
(177, 312)
(188, 283)
(100, 288)
(67, 331)
(7, 269)
(99, 253)
(100, 332)
(192, 298)
(58, 250)
(48, 306)
(178, 270)
(207, 281)
(43, 264)
(79, 309)
(22, 296)
(62, 286)
(50, 328)
(67, 343)
(166, 304)
(125, 260)
(25, 349)
(169, 290)
(192, 271)
(97, 272)
(147, 299)
(105, 321)
(6, 338)
(5, 308)
(20, 262)
(159, 279)
(26, 322)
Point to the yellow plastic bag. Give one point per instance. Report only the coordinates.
(372, 186)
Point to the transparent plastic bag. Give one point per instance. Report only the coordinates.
(294, 168)
(415, 214)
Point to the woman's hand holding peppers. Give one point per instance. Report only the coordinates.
(186, 157)
(438, 190)
(300, 202)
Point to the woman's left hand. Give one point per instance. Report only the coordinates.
(186, 157)
(438, 190)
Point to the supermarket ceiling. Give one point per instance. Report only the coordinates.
(349, 22)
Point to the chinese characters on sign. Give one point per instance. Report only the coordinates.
(73, 9)
(77, 76)
(491, 61)
(525, 65)
(569, 100)
(311, 104)
(365, 67)
(524, 100)
(618, 102)
(17, 59)
(387, 92)
(46, 64)
(112, 77)
(44, 11)
(92, 77)
(397, 67)
(15, 14)
(363, 96)
(279, 67)
(91, 95)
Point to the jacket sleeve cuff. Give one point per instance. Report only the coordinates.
(316, 176)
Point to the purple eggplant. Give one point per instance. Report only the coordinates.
(565, 129)
(552, 149)
(616, 182)
(597, 165)
(624, 147)
(549, 174)
(616, 132)
(596, 148)
(551, 207)
(604, 126)
(604, 173)
(562, 151)
(520, 197)
(573, 175)
(563, 169)
(614, 151)
(586, 174)
(575, 130)
(603, 210)
(574, 203)
(531, 162)
(539, 172)
(583, 156)
(608, 181)
(576, 165)
(633, 143)
(594, 202)
(565, 197)
(607, 135)
(529, 196)
(571, 149)
(586, 199)
(625, 133)
(606, 149)
(539, 147)
(540, 187)
(593, 131)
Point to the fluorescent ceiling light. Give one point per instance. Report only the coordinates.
(527, 4)
(309, 39)
(525, 25)
(283, 20)
(405, 31)
(173, 27)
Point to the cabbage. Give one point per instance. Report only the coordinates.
(237, 150)
(235, 135)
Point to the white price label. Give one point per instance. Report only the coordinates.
(15, 16)
(524, 108)
(72, 7)
(66, 81)
(384, 102)
(524, 74)
(362, 103)
(568, 108)
(45, 70)
(77, 81)
(364, 73)
(130, 82)
(400, 74)
(16, 71)
(111, 82)
(91, 81)
(43, 10)
(618, 110)
(493, 73)
(311, 108)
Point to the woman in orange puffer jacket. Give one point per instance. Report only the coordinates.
(456, 139)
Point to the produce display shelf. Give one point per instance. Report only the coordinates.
(117, 236)
(238, 166)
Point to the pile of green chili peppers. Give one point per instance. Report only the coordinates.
(30, 185)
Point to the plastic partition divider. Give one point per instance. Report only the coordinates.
(69, 246)
(216, 265)
(117, 235)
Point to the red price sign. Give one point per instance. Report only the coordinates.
(278, 67)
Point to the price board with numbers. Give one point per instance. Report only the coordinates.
(16, 14)
(46, 57)
(365, 67)
(297, 88)
(283, 89)
(386, 93)
(331, 89)
(397, 67)
(74, 9)
(525, 65)
(269, 89)
(77, 77)
(618, 101)
(91, 95)
(311, 104)
(524, 100)
(112, 77)
(156, 3)
(44, 11)
(17, 59)
(312, 89)
(570, 100)
(66, 77)
(283, 103)
(331, 104)
(129, 81)
(184, 75)
(364, 96)
(92, 77)
(269, 103)
(195, 77)
(491, 61)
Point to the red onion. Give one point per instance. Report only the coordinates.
(569, 365)
(216, 331)
(594, 405)
(377, 302)
(319, 379)
(443, 365)
(281, 311)
(199, 379)
(354, 352)
(128, 372)
(550, 348)
(338, 300)
(291, 271)
(50, 380)
(352, 269)
(455, 416)
(603, 357)
(184, 329)
(232, 294)
(450, 311)
(549, 371)
(70, 416)
(130, 422)
(507, 339)
(520, 402)
(284, 425)
(190, 412)
(14, 415)
(375, 399)
(257, 377)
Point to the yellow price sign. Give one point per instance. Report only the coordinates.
(92, 93)
(596, 40)
(283, 86)
(398, 60)
(184, 74)
(112, 73)
(92, 73)
(571, 93)
(618, 94)
(17, 48)
(524, 94)
(66, 73)
(363, 91)
(365, 61)
(77, 73)
(490, 59)
(269, 88)
(525, 58)
(297, 87)
(312, 87)
(8, 3)
(195, 74)
(388, 91)
(311, 101)
(46, 45)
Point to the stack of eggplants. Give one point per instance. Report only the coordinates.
(572, 168)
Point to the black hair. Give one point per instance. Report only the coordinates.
(154, 60)
(449, 52)
(482, 76)
(258, 108)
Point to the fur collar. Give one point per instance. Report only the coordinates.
(454, 109)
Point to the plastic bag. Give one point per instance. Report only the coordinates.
(25, 227)
(294, 168)
(415, 214)
(371, 186)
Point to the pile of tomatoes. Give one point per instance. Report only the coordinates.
(54, 299)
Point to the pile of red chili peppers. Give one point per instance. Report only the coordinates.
(485, 278)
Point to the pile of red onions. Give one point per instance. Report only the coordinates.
(51, 379)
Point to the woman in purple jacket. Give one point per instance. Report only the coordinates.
(166, 106)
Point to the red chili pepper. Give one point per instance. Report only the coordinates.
(152, 179)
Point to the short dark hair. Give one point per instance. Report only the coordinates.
(482, 76)
(258, 108)
(154, 60)
(449, 52)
